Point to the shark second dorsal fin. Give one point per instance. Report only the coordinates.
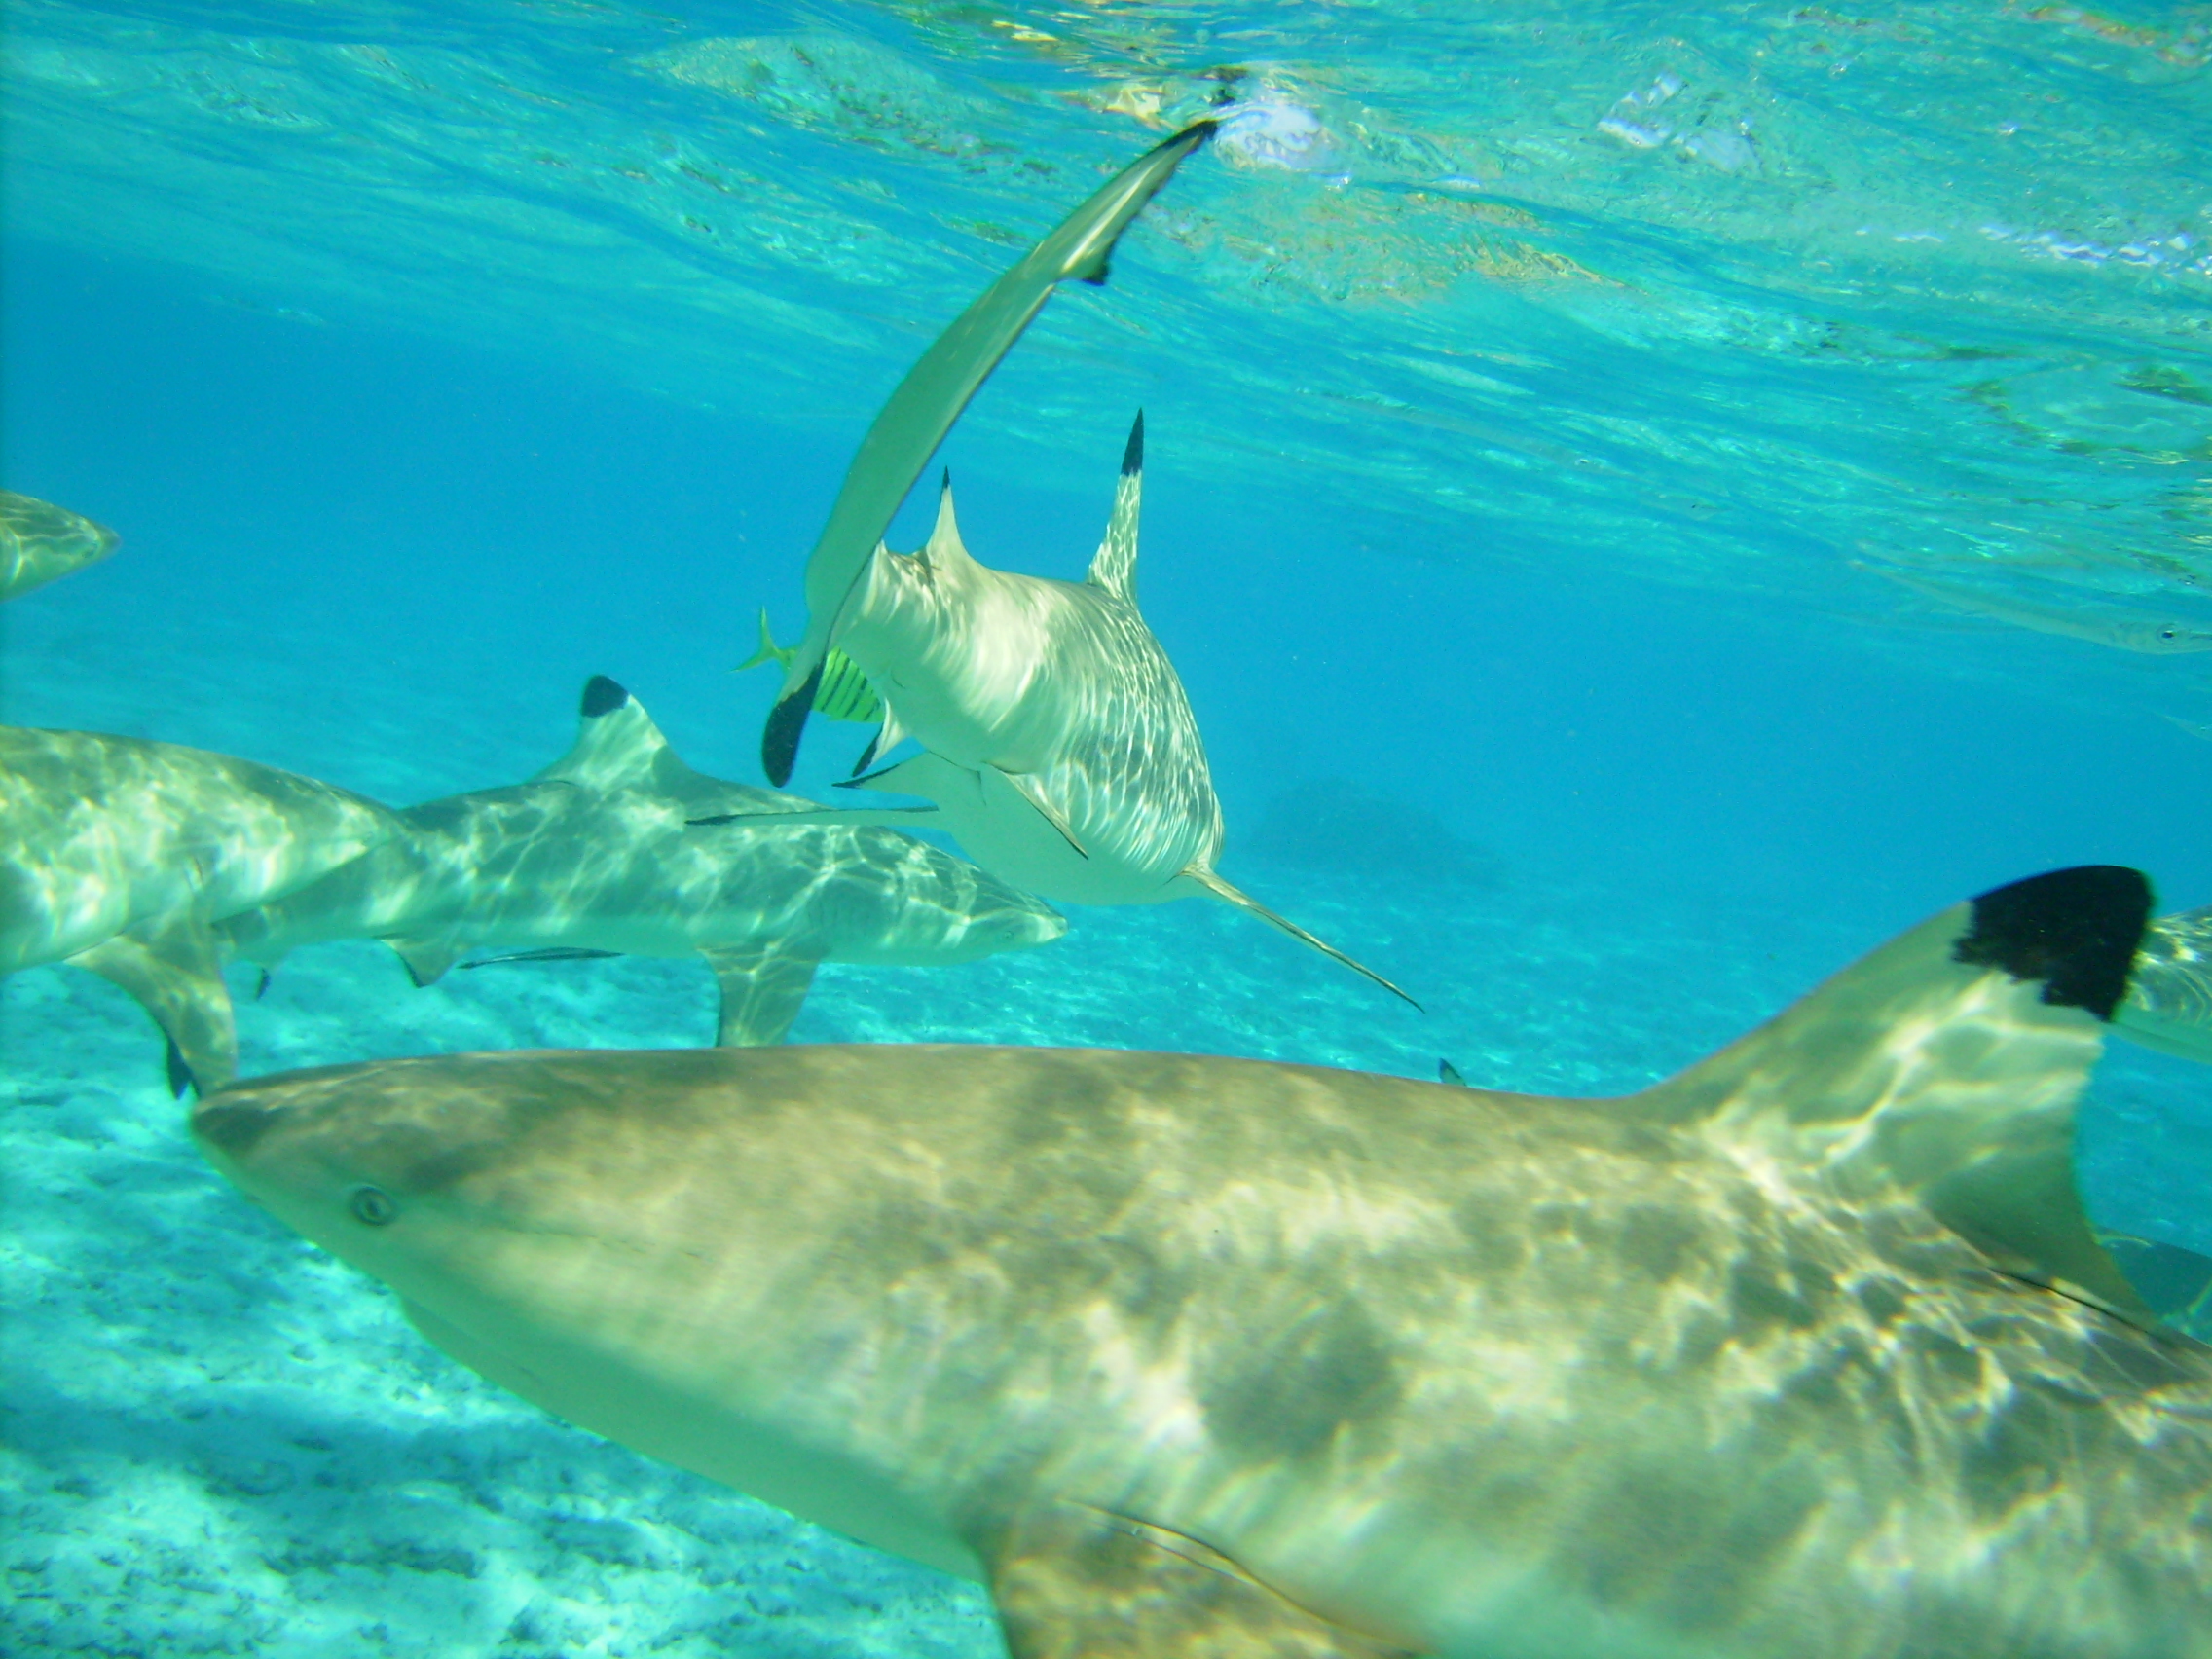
(1942, 1070)
(1114, 567)
(944, 547)
(616, 742)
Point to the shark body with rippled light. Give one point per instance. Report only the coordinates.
(1808, 1351)
(593, 857)
(123, 855)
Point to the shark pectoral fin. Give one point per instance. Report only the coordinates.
(1026, 786)
(762, 987)
(173, 969)
(1942, 1070)
(1073, 1582)
(426, 959)
(1245, 902)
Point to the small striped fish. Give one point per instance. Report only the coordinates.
(844, 693)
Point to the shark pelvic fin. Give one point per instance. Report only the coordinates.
(1026, 786)
(173, 968)
(1943, 1069)
(762, 987)
(930, 399)
(1114, 567)
(1245, 902)
(426, 959)
(1074, 1582)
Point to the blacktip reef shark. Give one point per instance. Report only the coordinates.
(2100, 624)
(1058, 745)
(592, 857)
(41, 543)
(121, 855)
(2169, 998)
(1808, 1352)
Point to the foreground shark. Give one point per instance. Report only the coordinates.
(2169, 1000)
(1808, 1352)
(592, 856)
(121, 855)
(41, 543)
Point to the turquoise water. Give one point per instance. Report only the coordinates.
(1535, 397)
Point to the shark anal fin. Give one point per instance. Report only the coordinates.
(763, 988)
(171, 968)
(426, 959)
(1025, 785)
(1073, 1582)
(1245, 902)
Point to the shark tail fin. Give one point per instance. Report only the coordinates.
(1114, 567)
(1250, 905)
(769, 651)
(1942, 1071)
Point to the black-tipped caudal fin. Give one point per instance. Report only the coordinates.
(1943, 1070)
(786, 723)
(1251, 906)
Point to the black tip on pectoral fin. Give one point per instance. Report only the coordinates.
(2075, 929)
(1132, 454)
(603, 696)
(779, 742)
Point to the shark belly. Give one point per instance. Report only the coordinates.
(601, 1392)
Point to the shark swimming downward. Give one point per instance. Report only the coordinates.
(1059, 745)
(592, 857)
(1808, 1352)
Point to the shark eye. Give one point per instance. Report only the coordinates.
(2169, 632)
(372, 1206)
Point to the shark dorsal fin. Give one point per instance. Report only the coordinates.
(944, 547)
(1942, 1070)
(1114, 567)
(616, 742)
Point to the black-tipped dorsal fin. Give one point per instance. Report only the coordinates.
(1943, 1069)
(1114, 567)
(616, 742)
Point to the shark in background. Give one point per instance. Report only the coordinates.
(122, 855)
(1058, 745)
(41, 543)
(1809, 1349)
(592, 856)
